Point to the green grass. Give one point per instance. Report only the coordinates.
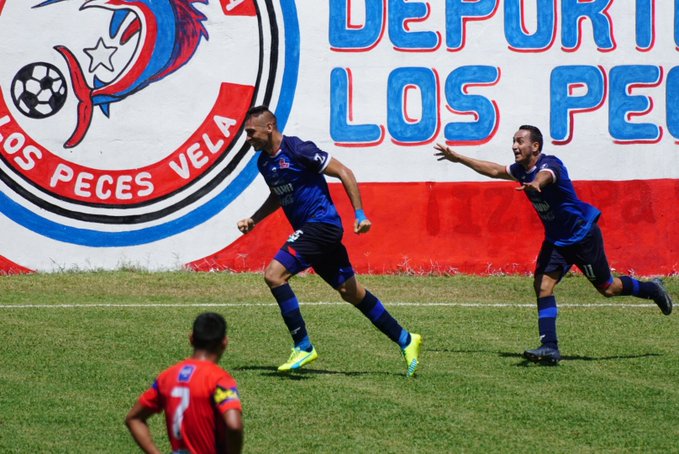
(70, 371)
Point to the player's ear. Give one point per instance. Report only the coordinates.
(191, 338)
(225, 342)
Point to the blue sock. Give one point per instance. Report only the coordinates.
(289, 306)
(547, 313)
(631, 286)
(372, 308)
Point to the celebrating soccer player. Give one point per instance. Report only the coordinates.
(294, 171)
(572, 236)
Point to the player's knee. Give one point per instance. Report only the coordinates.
(272, 278)
(269, 282)
(544, 284)
(542, 289)
(349, 294)
(608, 292)
(611, 288)
(344, 293)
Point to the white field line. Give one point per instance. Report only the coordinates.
(322, 303)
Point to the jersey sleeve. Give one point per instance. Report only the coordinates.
(151, 398)
(512, 170)
(311, 157)
(552, 165)
(226, 396)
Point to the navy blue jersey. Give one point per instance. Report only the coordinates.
(295, 175)
(566, 218)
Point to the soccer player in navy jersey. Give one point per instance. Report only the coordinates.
(294, 171)
(572, 236)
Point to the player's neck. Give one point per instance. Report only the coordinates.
(204, 355)
(276, 140)
(530, 164)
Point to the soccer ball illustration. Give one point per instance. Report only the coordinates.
(39, 90)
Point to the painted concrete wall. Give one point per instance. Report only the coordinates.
(121, 138)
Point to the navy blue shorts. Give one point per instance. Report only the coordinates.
(588, 255)
(317, 245)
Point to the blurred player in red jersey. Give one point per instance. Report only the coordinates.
(203, 412)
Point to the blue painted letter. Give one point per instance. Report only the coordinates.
(563, 103)
(340, 129)
(343, 36)
(484, 110)
(402, 128)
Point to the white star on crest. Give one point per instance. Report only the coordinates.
(101, 55)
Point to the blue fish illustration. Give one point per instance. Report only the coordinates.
(169, 34)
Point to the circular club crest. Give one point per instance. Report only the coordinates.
(121, 121)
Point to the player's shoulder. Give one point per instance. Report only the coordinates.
(294, 141)
(169, 374)
(296, 146)
(214, 369)
(552, 164)
(547, 160)
(219, 377)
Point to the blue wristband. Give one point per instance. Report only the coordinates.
(360, 216)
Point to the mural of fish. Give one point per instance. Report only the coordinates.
(169, 32)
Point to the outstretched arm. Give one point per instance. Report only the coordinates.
(270, 205)
(487, 168)
(338, 170)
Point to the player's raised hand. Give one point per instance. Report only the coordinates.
(542, 179)
(445, 153)
(245, 225)
(361, 224)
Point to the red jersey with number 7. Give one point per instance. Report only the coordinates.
(194, 395)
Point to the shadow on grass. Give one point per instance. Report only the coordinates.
(524, 362)
(307, 373)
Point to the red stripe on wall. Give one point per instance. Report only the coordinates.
(9, 267)
(477, 228)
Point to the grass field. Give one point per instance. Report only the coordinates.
(76, 349)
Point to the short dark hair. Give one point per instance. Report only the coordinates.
(209, 330)
(535, 134)
(256, 111)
